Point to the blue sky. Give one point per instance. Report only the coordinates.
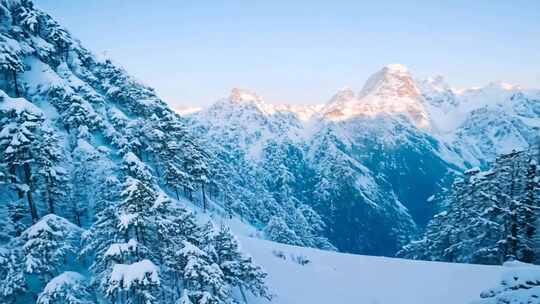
(194, 52)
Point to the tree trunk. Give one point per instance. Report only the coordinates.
(28, 178)
(13, 178)
(50, 201)
(17, 94)
(176, 191)
(243, 294)
(77, 215)
(203, 197)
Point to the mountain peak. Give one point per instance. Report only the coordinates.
(393, 80)
(241, 95)
(391, 90)
(396, 68)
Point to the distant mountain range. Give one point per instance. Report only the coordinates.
(374, 162)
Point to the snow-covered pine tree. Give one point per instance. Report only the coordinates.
(28, 17)
(277, 230)
(68, 287)
(120, 237)
(51, 178)
(48, 246)
(13, 284)
(18, 217)
(527, 213)
(59, 37)
(17, 149)
(238, 269)
(195, 164)
(203, 279)
(490, 216)
(10, 65)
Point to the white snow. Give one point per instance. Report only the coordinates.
(117, 249)
(60, 282)
(17, 104)
(184, 111)
(331, 277)
(138, 273)
(44, 224)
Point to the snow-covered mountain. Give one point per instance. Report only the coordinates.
(389, 91)
(382, 156)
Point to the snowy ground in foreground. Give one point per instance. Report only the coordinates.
(340, 278)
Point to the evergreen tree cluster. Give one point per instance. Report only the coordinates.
(89, 162)
(491, 216)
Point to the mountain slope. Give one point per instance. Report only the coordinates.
(98, 179)
(330, 277)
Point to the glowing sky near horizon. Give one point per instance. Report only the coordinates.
(194, 52)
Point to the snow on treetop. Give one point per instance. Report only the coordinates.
(117, 249)
(190, 249)
(50, 223)
(126, 219)
(18, 105)
(63, 280)
(139, 273)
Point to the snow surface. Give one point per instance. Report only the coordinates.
(59, 282)
(331, 277)
(140, 273)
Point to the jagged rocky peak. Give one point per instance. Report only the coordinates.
(389, 91)
(393, 80)
(345, 94)
(239, 103)
(240, 95)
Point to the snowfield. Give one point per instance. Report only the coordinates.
(338, 278)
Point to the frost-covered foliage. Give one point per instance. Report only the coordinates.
(69, 287)
(520, 284)
(491, 216)
(89, 161)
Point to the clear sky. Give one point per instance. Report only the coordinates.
(194, 52)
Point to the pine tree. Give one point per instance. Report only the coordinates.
(47, 246)
(277, 230)
(17, 148)
(527, 213)
(28, 17)
(17, 216)
(11, 64)
(60, 38)
(238, 269)
(68, 287)
(203, 279)
(490, 216)
(13, 284)
(51, 177)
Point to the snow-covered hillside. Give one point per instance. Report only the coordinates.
(304, 275)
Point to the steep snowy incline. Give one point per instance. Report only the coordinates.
(304, 275)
